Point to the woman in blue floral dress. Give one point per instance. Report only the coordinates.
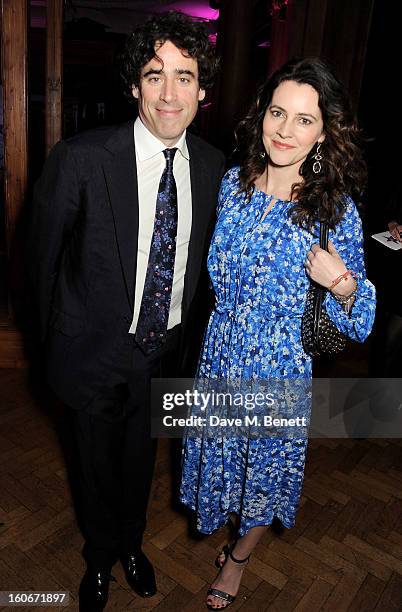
(297, 147)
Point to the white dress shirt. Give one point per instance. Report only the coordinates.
(150, 165)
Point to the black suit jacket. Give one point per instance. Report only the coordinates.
(83, 251)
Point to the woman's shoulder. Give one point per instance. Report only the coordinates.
(351, 213)
(350, 225)
(348, 212)
(349, 203)
(231, 177)
(230, 183)
(230, 186)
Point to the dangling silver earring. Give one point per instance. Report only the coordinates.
(318, 157)
(263, 154)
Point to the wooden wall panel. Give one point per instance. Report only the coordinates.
(314, 32)
(14, 51)
(14, 76)
(54, 71)
(235, 48)
(345, 40)
(336, 30)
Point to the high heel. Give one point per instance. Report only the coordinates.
(227, 597)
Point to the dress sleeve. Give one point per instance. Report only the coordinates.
(348, 241)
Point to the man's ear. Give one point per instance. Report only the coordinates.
(135, 91)
(201, 95)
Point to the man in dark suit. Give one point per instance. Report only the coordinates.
(120, 226)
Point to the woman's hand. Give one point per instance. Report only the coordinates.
(324, 267)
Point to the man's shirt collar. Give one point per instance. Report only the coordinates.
(147, 145)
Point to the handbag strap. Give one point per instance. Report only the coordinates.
(319, 291)
(324, 230)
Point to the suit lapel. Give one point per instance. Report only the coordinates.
(200, 218)
(121, 178)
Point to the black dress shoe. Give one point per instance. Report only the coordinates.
(139, 573)
(94, 590)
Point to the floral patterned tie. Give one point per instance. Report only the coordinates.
(155, 304)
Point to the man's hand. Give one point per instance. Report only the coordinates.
(395, 229)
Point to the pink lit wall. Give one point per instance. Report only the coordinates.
(195, 8)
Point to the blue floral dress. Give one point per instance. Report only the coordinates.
(257, 270)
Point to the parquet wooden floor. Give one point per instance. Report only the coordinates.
(345, 552)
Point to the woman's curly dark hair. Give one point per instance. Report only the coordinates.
(189, 36)
(319, 196)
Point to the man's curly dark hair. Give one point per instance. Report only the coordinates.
(188, 36)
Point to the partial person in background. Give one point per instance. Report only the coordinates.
(120, 223)
(393, 314)
(394, 213)
(300, 164)
(386, 358)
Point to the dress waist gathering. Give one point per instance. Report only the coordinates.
(242, 311)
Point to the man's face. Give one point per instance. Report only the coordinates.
(169, 93)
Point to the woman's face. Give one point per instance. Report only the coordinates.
(292, 124)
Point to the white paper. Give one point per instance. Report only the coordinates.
(386, 239)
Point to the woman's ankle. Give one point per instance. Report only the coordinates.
(239, 553)
(237, 560)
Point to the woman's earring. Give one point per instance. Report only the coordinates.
(263, 154)
(318, 157)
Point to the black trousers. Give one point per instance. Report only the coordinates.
(116, 457)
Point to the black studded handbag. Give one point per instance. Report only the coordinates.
(320, 336)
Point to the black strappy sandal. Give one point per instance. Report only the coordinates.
(223, 555)
(222, 594)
